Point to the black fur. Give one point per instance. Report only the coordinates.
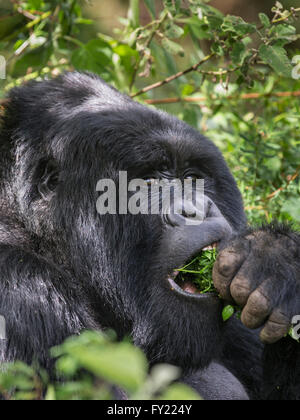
(64, 268)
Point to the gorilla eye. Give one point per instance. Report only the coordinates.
(150, 181)
(48, 178)
(191, 177)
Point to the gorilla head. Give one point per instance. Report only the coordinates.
(59, 138)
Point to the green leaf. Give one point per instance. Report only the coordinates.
(34, 4)
(134, 13)
(198, 29)
(94, 56)
(178, 392)
(239, 53)
(121, 364)
(8, 24)
(173, 6)
(265, 20)
(237, 26)
(173, 31)
(82, 21)
(151, 7)
(128, 57)
(187, 90)
(292, 207)
(228, 312)
(50, 395)
(277, 58)
(284, 34)
(172, 47)
(35, 59)
(217, 48)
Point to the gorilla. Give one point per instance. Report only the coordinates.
(65, 268)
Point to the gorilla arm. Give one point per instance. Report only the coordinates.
(260, 271)
(37, 302)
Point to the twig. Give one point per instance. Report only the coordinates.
(154, 31)
(173, 77)
(290, 180)
(26, 13)
(236, 97)
(283, 18)
(27, 27)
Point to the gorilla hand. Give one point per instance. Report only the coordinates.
(260, 271)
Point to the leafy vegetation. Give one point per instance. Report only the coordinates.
(198, 272)
(90, 366)
(237, 82)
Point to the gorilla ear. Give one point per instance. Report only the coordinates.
(48, 178)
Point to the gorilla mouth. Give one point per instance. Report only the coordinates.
(194, 280)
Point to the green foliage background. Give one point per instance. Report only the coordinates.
(233, 80)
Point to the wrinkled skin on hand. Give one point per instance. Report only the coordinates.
(260, 272)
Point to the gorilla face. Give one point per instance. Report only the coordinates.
(86, 131)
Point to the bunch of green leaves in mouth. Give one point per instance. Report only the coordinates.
(198, 272)
(197, 277)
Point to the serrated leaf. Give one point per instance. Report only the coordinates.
(237, 26)
(277, 58)
(265, 20)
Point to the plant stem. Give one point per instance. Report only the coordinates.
(173, 77)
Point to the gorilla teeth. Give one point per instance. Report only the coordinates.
(211, 247)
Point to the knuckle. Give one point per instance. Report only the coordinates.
(227, 263)
(249, 320)
(258, 304)
(273, 332)
(240, 290)
(276, 328)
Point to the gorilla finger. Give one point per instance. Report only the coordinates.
(276, 328)
(244, 283)
(227, 264)
(257, 310)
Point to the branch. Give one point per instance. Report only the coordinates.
(287, 16)
(27, 27)
(166, 101)
(174, 77)
(157, 25)
(289, 181)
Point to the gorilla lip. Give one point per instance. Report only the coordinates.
(187, 288)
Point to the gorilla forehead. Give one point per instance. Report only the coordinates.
(79, 115)
(136, 134)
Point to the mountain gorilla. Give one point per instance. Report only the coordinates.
(65, 268)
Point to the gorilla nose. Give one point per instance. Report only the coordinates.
(192, 213)
(183, 239)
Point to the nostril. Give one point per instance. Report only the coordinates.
(173, 219)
